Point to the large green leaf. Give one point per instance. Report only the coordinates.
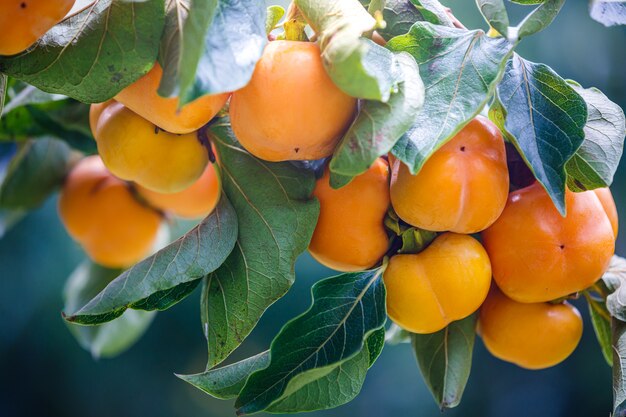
(399, 16)
(445, 359)
(538, 19)
(618, 331)
(345, 310)
(595, 162)
(608, 12)
(215, 50)
(163, 279)
(108, 339)
(544, 117)
(494, 12)
(379, 125)
(601, 321)
(277, 216)
(460, 70)
(36, 171)
(95, 53)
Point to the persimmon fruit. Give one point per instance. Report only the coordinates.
(447, 281)
(290, 109)
(102, 214)
(462, 187)
(350, 234)
(530, 335)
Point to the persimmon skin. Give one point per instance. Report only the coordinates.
(447, 281)
(136, 150)
(350, 234)
(462, 187)
(142, 98)
(606, 199)
(290, 109)
(530, 335)
(23, 22)
(194, 202)
(101, 213)
(537, 255)
(95, 110)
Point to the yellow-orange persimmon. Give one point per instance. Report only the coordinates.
(447, 281)
(95, 110)
(461, 188)
(606, 199)
(290, 109)
(538, 255)
(23, 22)
(101, 213)
(136, 150)
(350, 235)
(530, 335)
(142, 98)
(193, 202)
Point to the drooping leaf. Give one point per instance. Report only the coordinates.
(618, 331)
(379, 125)
(494, 12)
(345, 310)
(108, 339)
(538, 19)
(544, 117)
(357, 65)
(36, 171)
(460, 70)
(614, 278)
(608, 12)
(274, 14)
(399, 16)
(172, 44)
(375, 344)
(595, 162)
(277, 216)
(445, 359)
(601, 321)
(163, 279)
(95, 53)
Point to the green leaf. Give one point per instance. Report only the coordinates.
(274, 14)
(379, 125)
(94, 54)
(220, 44)
(109, 339)
(375, 345)
(399, 16)
(36, 171)
(172, 44)
(527, 2)
(494, 12)
(277, 216)
(595, 162)
(538, 19)
(614, 279)
(601, 321)
(618, 331)
(168, 276)
(415, 240)
(460, 70)
(3, 91)
(445, 359)
(608, 12)
(345, 310)
(544, 119)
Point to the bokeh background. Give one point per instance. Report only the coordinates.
(44, 372)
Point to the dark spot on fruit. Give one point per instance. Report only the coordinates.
(297, 150)
(23, 5)
(156, 130)
(462, 148)
(562, 247)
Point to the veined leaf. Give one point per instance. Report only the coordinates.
(601, 321)
(445, 359)
(346, 309)
(614, 278)
(277, 216)
(399, 16)
(595, 162)
(168, 276)
(618, 331)
(94, 54)
(544, 118)
(494, 12)
(460, 70)
(608, 12)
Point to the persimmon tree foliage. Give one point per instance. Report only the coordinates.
(416, 156)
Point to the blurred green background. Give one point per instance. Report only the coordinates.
(45, 373)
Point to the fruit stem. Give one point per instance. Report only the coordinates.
(295, 24)
(203, 138)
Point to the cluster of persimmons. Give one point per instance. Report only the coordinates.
(152, 160)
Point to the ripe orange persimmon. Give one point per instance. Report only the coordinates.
(290, 109)
(136, 150)
(142, 98)
(606, 199)
(462, 187)
(350, 235)
(538, 255)
(447, 281)
(23, 22)
(530, 335)
(100, 212)
(193, 202)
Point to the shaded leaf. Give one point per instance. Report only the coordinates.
(614, 278)
(445, 359)
(3, 91)
(277, 216)
(168, 276)
(601, 321)
(608, 12)
(345, 310)
(544, 118)
(495, 14)
(399, 16)
(618, 330)
(94, 54)
(460, 70)
(538, 19)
